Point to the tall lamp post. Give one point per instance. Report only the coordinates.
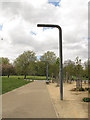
(46, 70)
(60, 54)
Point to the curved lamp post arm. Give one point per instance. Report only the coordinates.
(60, 54)
(48, 25)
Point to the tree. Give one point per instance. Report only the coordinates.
(40, 68)
(31, 68)
(85, 74)
(54, 70)
(0, 66)
(5, 61)
(78, 67)
(78, 72)
(68, 70)
(7, 67)
(49, 56)
(24, 64)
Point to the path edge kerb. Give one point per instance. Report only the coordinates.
(53, 104)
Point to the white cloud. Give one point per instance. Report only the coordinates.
(20, 18)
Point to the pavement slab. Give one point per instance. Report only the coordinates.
(29, 101)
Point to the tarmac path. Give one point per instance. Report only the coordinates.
(29, 101)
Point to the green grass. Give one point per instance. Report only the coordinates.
(31, 77)
(37, 77)
(83, 78)
(11, 83)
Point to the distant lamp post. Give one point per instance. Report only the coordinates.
(47, 71)
(60, 54)
(47, 81)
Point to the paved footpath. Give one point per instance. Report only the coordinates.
(29, 101)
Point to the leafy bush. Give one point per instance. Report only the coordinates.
(86, 99)
(78, 89)
(81, 89)
(88, 89)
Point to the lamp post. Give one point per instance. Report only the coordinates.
(60, 54)
(47, 81)
(47, 70)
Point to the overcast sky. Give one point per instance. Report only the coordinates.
(18, 27)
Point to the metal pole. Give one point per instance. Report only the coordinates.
(47, 70)
(60, 54)
(61, 66)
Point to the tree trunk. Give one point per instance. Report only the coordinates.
(85, 81)
(67, 77)
(70, 81)
(77, 83)
(8, 76)
(25, 77)
(81, 84)
(89, 82)
(58, 82)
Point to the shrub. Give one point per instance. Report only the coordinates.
(78, 89)
(86, 99)
(81, 89)
(88, 89)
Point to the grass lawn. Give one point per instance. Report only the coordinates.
(83, 78)
(11, 83)
(33, 77)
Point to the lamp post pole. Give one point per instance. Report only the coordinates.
(47, 70)
(60, 55)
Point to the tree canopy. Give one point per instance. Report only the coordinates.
(7, 67)
(27, 64)
(24, 64)
(48, 57)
